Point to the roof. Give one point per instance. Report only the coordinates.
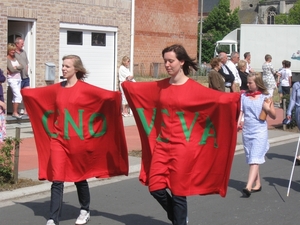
(248, 16)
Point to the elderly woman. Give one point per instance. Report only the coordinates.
(14, 78)
(268, 74)
(215, 79)
(242, 67)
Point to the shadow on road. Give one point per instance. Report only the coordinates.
(70, 212)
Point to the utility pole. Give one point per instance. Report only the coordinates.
(200, 35)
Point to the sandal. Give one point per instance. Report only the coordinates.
(17, 116)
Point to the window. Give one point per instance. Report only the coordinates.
(74, 37)
(271, 15)
(98, 39)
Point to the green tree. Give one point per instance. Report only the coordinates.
(293, 17)
(220, 21)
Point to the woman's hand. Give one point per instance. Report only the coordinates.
(240, 126)
(129, 78)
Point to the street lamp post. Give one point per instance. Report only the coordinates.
(200, 35)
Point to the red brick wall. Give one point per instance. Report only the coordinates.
(162, 23)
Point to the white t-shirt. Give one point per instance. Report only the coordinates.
(286, 73)
(123, 73)
(248, 68)
(235, 72)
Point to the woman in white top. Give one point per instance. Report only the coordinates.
(14, 78)
(125, 75)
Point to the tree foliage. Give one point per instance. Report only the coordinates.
(293, 17)
(220, 21)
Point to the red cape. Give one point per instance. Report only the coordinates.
(84, 121)
(195, 125)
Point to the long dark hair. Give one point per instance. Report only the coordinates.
(182, 55)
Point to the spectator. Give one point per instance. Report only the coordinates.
(14, 78)
(125, 75)
(2, 109)
(247, 57)
(226, 73)
(231, 64)
(286, 78)
(295, 102)
(242, 66)
(215, 79)
(268, 74)
(21, 56)
(278, 80)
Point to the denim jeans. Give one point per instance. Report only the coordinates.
(175, 206)
(57, 189)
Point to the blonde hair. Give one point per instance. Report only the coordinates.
(259, 82)
(10, 46)
(241, 64)
(124, 59)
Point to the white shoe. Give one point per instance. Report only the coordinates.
(83, 217)
(22, 111)
(50, 222)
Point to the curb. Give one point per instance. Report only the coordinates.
(45, 187)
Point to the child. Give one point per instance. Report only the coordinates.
(278, 81)
(255, 130)
(2, 109)
(286, 78)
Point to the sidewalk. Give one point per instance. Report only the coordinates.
(28, 162)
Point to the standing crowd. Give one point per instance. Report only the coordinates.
(257, 90)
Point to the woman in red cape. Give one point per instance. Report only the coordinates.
(188, 134)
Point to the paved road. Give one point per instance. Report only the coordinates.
(123, 200)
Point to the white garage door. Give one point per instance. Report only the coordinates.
(96, 48)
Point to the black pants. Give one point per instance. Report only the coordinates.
(286, 90)
(57, 189)
(175, 206)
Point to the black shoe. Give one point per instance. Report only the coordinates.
(297, 163)
(246, 192)
(256, 190)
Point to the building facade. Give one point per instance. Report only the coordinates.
(159, 24)
(97, 30)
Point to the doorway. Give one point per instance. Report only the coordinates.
(25, 30)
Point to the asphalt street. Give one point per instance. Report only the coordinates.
(123, 200)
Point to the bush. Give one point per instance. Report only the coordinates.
(6, 159)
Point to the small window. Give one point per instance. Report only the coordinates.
(98, 39)
(74, 37)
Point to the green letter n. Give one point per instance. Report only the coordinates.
(69, 119)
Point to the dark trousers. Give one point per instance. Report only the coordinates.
(57, 189)
(285, 90)
(175, 206)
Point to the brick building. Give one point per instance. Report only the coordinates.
(97, 30)
(159, 24)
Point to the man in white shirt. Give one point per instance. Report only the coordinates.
(231, 64)
(247, 57)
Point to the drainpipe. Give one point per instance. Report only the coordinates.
(132, 35)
